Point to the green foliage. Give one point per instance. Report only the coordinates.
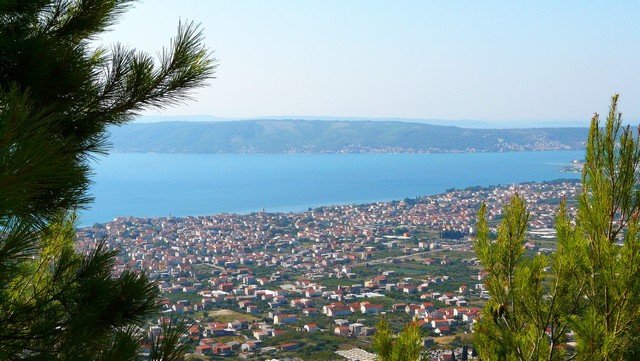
(66, 305)
(170, 347)
(58, 95)
(608, 222)
(592, 287)
(407, 346)
(281, 136)
(515, 318)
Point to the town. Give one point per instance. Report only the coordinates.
(313, 285)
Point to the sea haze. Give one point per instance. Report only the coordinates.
(158, 185)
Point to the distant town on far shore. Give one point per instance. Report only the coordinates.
(335, 136)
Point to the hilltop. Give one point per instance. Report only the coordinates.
(321, 136)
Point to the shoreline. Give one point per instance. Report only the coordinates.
(308, 209)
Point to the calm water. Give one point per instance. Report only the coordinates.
(156, 185)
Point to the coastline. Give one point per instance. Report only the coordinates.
(156, 185)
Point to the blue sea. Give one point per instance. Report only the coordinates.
(158, 185)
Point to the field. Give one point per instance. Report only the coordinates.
(229, 315)
(447, 340)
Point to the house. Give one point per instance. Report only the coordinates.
(207, 302)
(470, 317)
(370, 308)
(283, 319)
(248, 280)
(250, 345)
(222, 349)
(412, 309)
(312, 293)
(422, 313)
(207, 341)
(436, 323)
(429, 262)
(428, 306)
(226, 287)
(355, 328)
(194, 331)
(341, 330)
(205, 350)
(235, 325)
(217, 329)
(336, 310)
(179, 308)
(381, 280)
(442, 330)
(310, 311)
(311, 327)
(154, 332)
(260, 335)
(390, 286)
(301, 303)
(408, 289)
(289, 346)
(354, 306)
(398, 306)
(367, 331)
(424, 324)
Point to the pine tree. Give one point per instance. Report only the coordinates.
(592, 287)
(407, 346)
(58, 95)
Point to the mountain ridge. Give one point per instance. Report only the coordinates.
(333, 136)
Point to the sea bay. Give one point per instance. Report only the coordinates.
(158, 185)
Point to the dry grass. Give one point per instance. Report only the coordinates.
(229, 315)
(446, 340)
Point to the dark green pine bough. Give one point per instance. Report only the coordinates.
(58, 95)
(582, 302)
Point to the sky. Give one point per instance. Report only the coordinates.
(497, 61)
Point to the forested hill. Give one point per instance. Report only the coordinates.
(319, 136)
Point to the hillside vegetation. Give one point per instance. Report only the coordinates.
(316, 136)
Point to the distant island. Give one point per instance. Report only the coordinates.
(323, 136)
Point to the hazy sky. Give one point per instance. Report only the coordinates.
(481, 60)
